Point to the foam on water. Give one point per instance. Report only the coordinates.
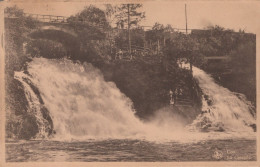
(223, 108)
(84, 106)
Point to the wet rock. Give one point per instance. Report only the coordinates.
(209, 101)
(46, 116)
(253, 126)
(219, 127)
(29, 127)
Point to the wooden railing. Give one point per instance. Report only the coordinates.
(56, 19)
(216, 57)
(48, 18)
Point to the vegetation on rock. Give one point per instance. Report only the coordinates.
(146, 78)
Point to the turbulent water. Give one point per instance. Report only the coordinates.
(131, 150)
(223, 110)
(83, 106)
(93, 121)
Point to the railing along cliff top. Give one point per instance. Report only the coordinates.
(55, 19)
(48, 18)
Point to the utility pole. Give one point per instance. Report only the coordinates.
(129, 38)
(145, 44)
(158, 46)
(191, 57)
(186, 20)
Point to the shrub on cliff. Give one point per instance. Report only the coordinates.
(17, 26)
(238, 72)
(243, 58)
(16, 29)
(91, 27)
(89, 24)
(46, 48)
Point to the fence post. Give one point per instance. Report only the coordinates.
(158, 46)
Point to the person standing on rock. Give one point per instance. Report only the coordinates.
(171, 98)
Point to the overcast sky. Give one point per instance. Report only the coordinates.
(233, 15)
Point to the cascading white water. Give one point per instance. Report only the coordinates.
(80, 102)
(34, 104)
(223, 109)
(83, 105)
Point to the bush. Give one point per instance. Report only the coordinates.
(45, 48)
(243, 58)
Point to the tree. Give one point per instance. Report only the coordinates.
(14, 11)
(46, 48)
(110, 12)
(92, 15)
(168, 28)
(129, 14)
(182, 46)
(17, 26)
(92, 26)
(158, 34)
(19, 123)
(137, 39)
(90, 23)
(243, 57)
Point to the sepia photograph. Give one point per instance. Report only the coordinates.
(142, 81)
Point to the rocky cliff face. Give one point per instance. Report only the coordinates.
(148, 86)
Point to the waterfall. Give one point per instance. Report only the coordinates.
(82, 105)
(222, 109)
(35, 105)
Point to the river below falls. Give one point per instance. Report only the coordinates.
(83, 106)
(130, 150)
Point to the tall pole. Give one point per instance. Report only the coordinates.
(129, 39)
(191, 58)
(186, 20)
(158, 46)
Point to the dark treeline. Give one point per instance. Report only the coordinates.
(142, 63)
(237, 71)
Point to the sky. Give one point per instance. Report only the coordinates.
(229, 14)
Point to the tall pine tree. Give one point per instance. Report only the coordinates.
(129, 14)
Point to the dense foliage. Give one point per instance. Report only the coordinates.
(137, 39)
(238, 71)
(49, 49)
(146, 78)
(128, 14)
(16, 29)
